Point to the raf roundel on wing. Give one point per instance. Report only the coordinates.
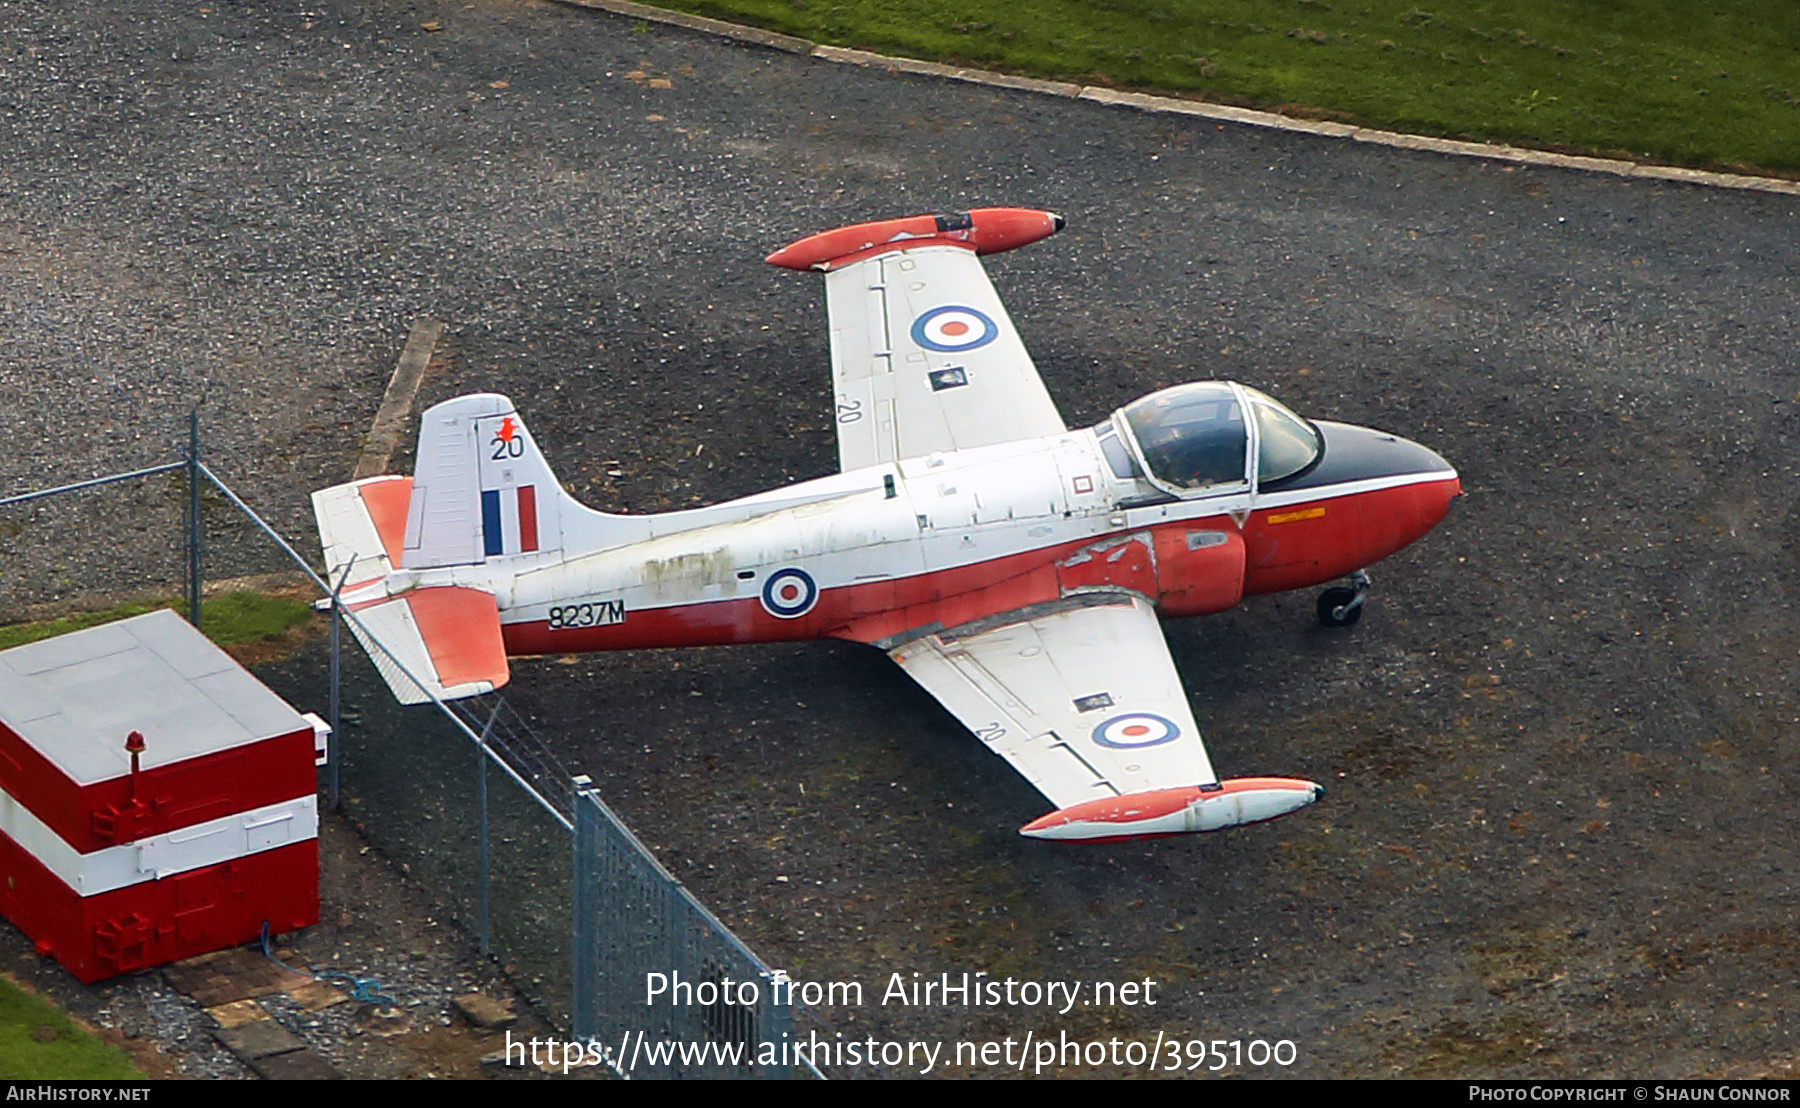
(1128, 732)
(953, 328)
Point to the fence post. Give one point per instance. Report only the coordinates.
(335, 753)
(584, 1015)
(335, 750)
(193, 521)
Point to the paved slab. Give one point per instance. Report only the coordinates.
(484, 1012)
(228, 976)
(236, 1013)
(258, 1039)
(316, 996)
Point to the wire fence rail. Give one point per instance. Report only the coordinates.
(608, 945)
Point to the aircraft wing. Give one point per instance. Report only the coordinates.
(1082, 697)
(924, 359)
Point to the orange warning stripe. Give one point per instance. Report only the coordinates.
(1290, 517)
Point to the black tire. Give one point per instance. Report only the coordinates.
(1331, 600)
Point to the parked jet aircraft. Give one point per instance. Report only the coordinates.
(1012, 566)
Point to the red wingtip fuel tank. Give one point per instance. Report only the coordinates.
(1162, 812)
(983, 230)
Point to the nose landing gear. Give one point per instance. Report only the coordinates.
(1341, 607)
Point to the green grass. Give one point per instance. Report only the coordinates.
(239, 617)
(72, 1055)
(250, 617)
(1693, 84)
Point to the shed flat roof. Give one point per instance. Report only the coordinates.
(75, 697)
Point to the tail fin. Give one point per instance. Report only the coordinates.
(481, 490)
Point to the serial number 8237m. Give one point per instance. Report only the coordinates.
(597, 614)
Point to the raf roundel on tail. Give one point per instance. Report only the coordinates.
(1014, 567)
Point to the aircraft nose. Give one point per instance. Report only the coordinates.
(1355, 453)
(1373, 493)
(1407, 456)
(1433, 463)
(1430, 499)
(1432, 459)
(1421, 483)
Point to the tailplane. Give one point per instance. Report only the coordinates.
(441, 641)
(445, 640)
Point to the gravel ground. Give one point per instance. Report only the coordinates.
(1562, 838)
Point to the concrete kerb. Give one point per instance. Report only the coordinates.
(397, 402)
(846, 56)
(1141, 101)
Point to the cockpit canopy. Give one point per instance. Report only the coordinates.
(1200, 436)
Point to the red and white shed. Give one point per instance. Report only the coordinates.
(112, 860)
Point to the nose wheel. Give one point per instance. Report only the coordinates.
(1341, 607)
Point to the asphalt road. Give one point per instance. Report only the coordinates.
(1561, 838)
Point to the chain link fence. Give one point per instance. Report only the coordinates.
(464, 797)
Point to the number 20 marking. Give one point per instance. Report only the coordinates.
(849, 411)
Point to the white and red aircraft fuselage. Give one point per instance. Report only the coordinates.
(1011, 565)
